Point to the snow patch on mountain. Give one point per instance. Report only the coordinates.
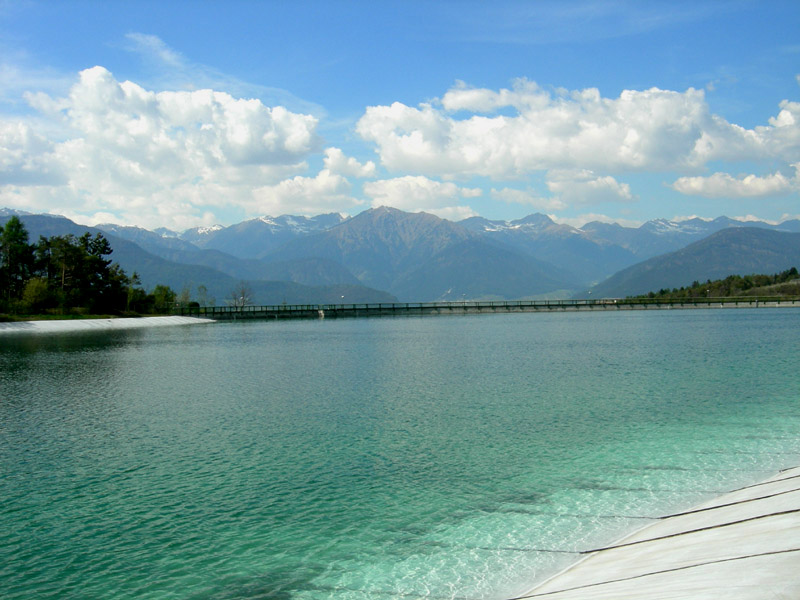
(10, 212)
(688, 227)
(207, 230)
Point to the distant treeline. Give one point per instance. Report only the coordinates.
(68, 274)
(784, 284)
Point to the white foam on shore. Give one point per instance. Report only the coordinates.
(59, 326)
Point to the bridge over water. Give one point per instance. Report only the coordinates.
(384, 309)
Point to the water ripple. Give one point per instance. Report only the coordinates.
(451, 458)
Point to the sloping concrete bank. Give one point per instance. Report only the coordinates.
(744, 545)
(59, 326)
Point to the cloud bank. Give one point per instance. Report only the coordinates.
(414, 193)
(582, 142)
(154, 158)
(721, 185)
(641, 130)
(114, 150)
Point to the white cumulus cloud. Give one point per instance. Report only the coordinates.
(525, 95)
(153, 158)
(336, 162)
(568, 187)
(646, 130)
(722, 185)
(326, 192)
(584, 187)
(527, 198)
(26, 157)
(416, 193)
(652, 129)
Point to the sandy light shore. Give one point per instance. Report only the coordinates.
(59, 326)
(744, 545)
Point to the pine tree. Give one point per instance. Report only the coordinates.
(16, 260)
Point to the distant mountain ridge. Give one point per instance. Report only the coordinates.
(477, 269)
(257, 237)
(578, 256)
(379, 244)
(315, 271)
(421, 257)
(732, 251)
(660, 236)
(154, 269)
(597, 250)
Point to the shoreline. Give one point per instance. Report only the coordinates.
(737, 546)
(77, 325)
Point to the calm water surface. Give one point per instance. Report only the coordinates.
(382, 458)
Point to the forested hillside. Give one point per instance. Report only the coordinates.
(785, 284)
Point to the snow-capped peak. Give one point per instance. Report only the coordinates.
(207, 230)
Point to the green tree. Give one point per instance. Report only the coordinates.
(133, 291)
(101, 283)
(80, 275)
(59, 260)
(16, 260)
(113, 292)
(163, 298)
(37, 295)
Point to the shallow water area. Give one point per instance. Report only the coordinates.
(462, 457)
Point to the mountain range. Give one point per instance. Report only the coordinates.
(732, 251)
(383, 254)
(219, 274)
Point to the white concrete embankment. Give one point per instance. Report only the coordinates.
(744, 545)
(57, 326)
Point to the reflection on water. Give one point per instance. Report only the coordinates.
(426, 457)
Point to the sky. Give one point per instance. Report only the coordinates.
(192, 113)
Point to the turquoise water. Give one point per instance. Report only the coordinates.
(444, 457)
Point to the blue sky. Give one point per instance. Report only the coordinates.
(181, 114)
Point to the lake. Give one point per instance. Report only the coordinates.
(444, 457)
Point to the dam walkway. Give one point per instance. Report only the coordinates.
(384, 309)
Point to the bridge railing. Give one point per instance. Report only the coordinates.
(378, 307)
(204, 310)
